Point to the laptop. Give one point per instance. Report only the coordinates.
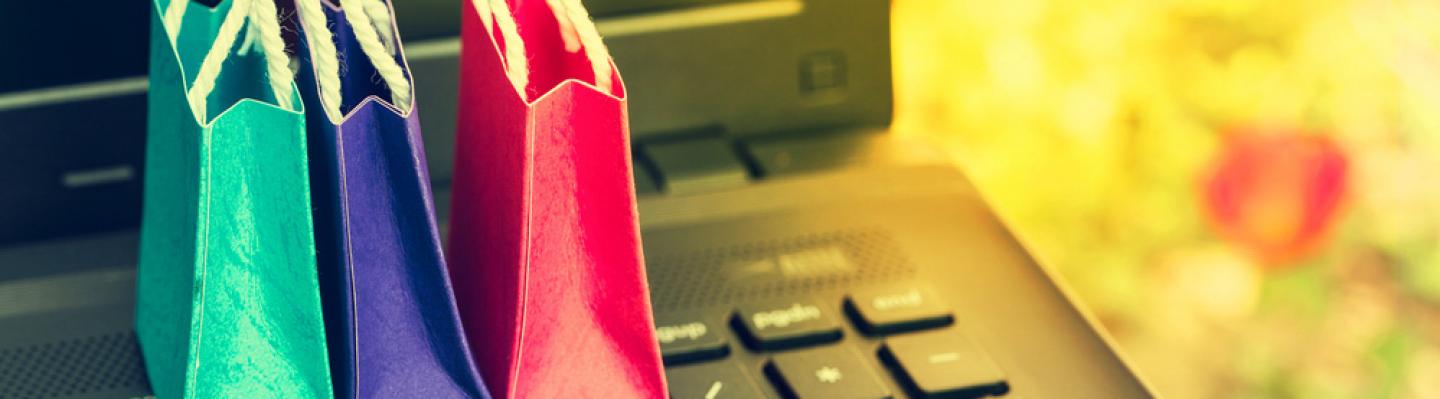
(795, 248)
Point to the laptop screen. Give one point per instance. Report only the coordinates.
(72, 87)
(60, 43)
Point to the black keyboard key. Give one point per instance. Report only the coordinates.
(897, 308)
(715, 380)
(698, 165)
(644, 183)
(829, 372)
(692, 336)
(787, 324)
(943, 364)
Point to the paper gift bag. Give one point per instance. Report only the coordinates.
(390, 314)
(544, 241)
(228, 299)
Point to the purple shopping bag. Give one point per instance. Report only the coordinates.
(389, 310)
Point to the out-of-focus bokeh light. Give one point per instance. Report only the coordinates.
(1276, 193)
(1245, 193)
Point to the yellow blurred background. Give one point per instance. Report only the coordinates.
(1245, 193)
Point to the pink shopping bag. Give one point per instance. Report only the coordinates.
(544, 241)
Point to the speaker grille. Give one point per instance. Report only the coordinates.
(709, 276)
(73, 367)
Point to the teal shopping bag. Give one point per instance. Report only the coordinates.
(228, 301)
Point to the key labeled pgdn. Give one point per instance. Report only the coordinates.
(785, 324)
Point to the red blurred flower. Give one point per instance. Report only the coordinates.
(1276, 192)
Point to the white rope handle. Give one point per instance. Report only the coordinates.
(367, 19)
(380, 17)
(219, 50)
(327, 63)
(174, 15)
(495, 13)
(380, 56)
(265, 19)
(577, 30)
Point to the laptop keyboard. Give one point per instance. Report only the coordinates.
(801, 339)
